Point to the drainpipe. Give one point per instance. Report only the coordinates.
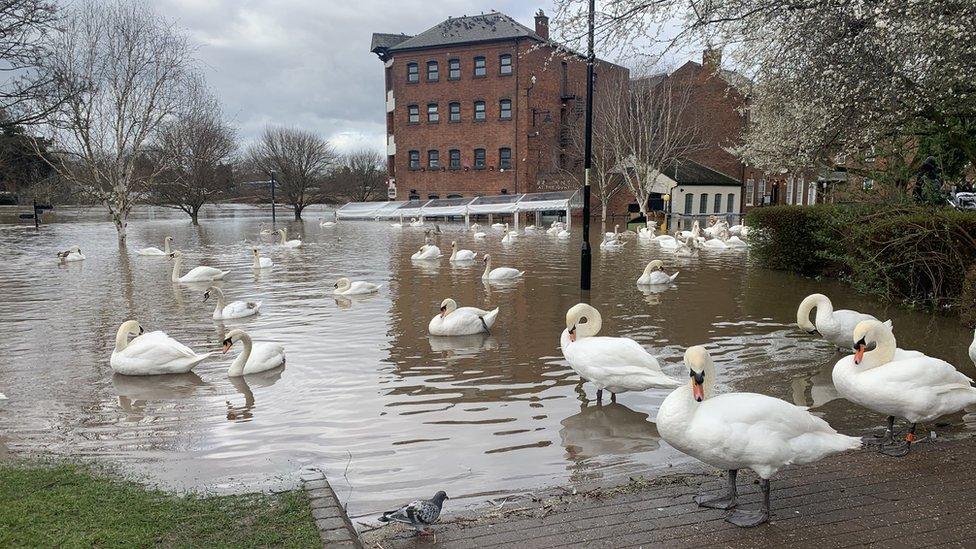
(518, 113)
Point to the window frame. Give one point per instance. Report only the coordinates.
(502, 163)
(484, 67)
(484, 159)
(410, 160)
(433, 159)
(789, 190)
(411, 114)
(501, 111)
(689, 202)
(750, 191)
(502, 65)
(451, 154)
(717, 203)
(450, 112)
(435, 112)
(702, 203)
(484, 111)
(762, 191)
(450, 69)
(437, 70)
(413, 77)
(730, 203)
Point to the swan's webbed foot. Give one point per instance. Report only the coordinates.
(748, 519)
(901, 448)
(724, 501)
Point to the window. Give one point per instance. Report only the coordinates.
(750, 189)
(718, 203)
(703, 203)
(454, 157)
(433, 159)
(789, 190)
(762, 190)
(504, 158)
(413, 114)
(433, 196)
(505, 109)
(688, 200)
(479, 159)
(480, 67)
(505, 64)
(432, 115)
(414, 160)
(479, 110)
(730, 204)
(800, 186)
(812, 193)
(433, 71)
(413, 73)
(454, 196)
(453, 69)
(454, 112)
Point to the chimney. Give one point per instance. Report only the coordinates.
(712, 59)
(542, 25)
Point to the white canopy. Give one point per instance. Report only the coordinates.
(366, 210)
(447, 207)
(502, 203)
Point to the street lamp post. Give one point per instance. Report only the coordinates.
(273, 216)
(585, 253)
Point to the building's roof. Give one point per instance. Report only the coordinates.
(383, 40)
(463, 30)
(689, 172)
(649, 81)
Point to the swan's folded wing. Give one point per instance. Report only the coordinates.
(159, 347)
(617, 353)
(914, 369)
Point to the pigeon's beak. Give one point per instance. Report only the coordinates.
(572, 333)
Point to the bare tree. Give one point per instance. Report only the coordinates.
(649, 132)
(300, 160)
(196, 149)
(24, 26)
(360, 177)
(115, 74)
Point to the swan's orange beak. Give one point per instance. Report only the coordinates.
(572, 334)
(859, 354)
(697, 391)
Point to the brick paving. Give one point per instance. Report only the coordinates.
(856, 499)
(336, 530)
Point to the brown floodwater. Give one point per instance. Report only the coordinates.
(388, 412)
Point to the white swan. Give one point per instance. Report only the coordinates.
(654, 274)
(296, 243)
(344, 286)
(461, 255)
(972, 349)
(614, 235)
(695, 230)
(234, 309)
(736, 242)
(899, 383)
(261, 262)
(480, 234)
(739, 230)
(499, 273)
(563, 233)
(498, 225)
(645, 233)
(266, 230)
(667, 244)
(555, 227)
(688, 248)
(530, 228)
(414, 222)
(715, 244)
(455, 321)
(71, 255)
(427, 251)
(333, 223)
(256, 357)
(836, 327)
(617, 364)
(510, 236)
(735, 431)
(156, 251)
(196, 274)
(474, 227)
(154, 353)
(611, 243)
(397, 225)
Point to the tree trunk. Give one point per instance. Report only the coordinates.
(195, 216)
(603, 211)
(298, 212)
(120, 219)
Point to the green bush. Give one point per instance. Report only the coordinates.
(967, 301)
(918, 255)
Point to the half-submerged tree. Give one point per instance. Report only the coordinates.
(196, 149)
(300, 161)
(115, 74)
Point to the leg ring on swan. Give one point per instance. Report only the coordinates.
(724, 501)
(748, 519)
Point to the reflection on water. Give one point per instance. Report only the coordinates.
(365, 385)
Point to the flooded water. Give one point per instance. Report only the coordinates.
(386, 411)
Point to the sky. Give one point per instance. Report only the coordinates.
(306, 63)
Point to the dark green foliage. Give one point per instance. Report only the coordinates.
(913, 254)
(967, 302)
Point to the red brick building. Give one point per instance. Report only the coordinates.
(476, 106)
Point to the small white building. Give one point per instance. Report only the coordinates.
(697, 190)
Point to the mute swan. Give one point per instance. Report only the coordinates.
(739, 230)
(344, 286)
(654, 274)
(256, 357)
(479, 235)
(695, 231)
(555, 227)
(736, 242)
(899, 383)
(499, 273)
(414, 222)
(296, 243)
(461, 255)
(529, 228)
(510, 236)
(332, 223)
(715, 244)
(397, 225)
(196, 274)
(474, 227)
(617, 364)
(427, 251)
(614, 235)
(563, 233)
(688, 248)
(645, 234)
(498, 225)
(261, 262)
(454, 321)
(668, 244)
(836, 327)
(736, 431)
(266, 230)
(611, 243)
(972, 349)
(71, 254)
(235, 309)
(154, 353)
(156, 251)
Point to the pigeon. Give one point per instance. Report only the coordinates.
(420, 514)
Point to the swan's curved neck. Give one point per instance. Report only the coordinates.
(284, 235)
(220, 301)
(453, 253)
(487, 268)
(177, 263)
(121, 339)
(257, 260)
(821, 303)
(166, 246)
(237, 368)
(648, 269)
(883, 353)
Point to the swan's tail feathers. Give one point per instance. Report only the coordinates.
(222, 275)
(488, 320)
(887, 323)
(200, 358)
(674, 276)
(521, 273)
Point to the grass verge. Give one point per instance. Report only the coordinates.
(68, 505)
